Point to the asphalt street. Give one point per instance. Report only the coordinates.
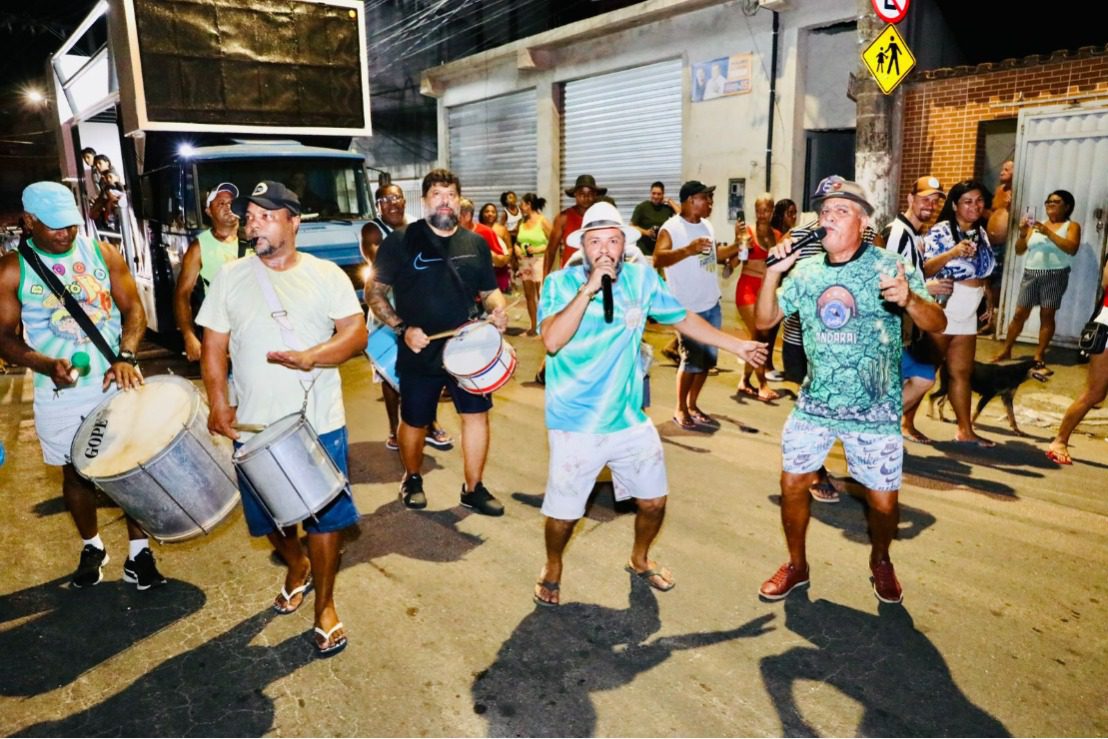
(1002, 630)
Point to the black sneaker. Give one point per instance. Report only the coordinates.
(411, 492)
(142, 571)
(481, 500)
(90, 570)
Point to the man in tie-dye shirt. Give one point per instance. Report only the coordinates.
(594, 387)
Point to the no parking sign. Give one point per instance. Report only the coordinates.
(891, 11)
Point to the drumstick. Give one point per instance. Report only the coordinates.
(454, 331)
(250, 428)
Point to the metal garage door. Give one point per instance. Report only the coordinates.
(624, 128)
(1062, 150)
(492, 146)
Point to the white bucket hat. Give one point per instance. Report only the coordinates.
(602, 215)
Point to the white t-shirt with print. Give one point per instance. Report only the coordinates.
(315, 293)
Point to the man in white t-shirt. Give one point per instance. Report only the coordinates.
(285, 347)
(686, 250)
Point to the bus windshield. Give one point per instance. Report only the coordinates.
(328, 188)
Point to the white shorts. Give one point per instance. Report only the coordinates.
(633, 455)
(57, 418)
(961, 310)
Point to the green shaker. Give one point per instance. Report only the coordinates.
(80, 362)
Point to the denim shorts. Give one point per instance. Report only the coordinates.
(337, 515)
(697, 358)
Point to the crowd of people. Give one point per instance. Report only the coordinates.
(865, 329)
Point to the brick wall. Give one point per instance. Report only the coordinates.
(943, 107)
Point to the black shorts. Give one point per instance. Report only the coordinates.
(419, 398)
(796, 362)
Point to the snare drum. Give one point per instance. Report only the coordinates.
(381, 350)
(479, 358)
(290, 471)
(149, 449)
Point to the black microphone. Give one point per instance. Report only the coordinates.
(816, 235)
(609, 305)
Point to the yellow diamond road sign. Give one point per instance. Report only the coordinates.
(888, 59)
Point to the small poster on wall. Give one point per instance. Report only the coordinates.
(727, 75)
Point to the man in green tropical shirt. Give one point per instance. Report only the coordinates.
(850, 302)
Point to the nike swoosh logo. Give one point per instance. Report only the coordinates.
(422, 263)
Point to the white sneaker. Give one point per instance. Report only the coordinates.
(775, 376)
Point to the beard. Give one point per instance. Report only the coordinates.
(443, 221)
(262, 251)
(589, 265)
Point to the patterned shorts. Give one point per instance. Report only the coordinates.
(875, 460)
(633, 455)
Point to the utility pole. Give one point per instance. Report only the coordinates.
(874, 163)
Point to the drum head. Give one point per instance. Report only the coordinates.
(472, 350)
(271, 433)
(132, 427)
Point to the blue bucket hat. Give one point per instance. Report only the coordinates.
(52, 203)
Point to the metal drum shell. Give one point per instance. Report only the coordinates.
(184, 490)
(291, 473)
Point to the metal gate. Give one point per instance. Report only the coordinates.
(624, 128)
(493, 146)
(1061, 149)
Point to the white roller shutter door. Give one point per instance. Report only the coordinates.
(624, 128)
(493, 146)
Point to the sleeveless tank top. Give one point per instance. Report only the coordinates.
(531, 239)
(47, 326)
(757, 251)
(573, 222)
(512, 221)
(214, 254)
(1043, 254)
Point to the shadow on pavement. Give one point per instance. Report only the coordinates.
(371, 462)
(882, 662)
(849, 516)
(50, 634)
(544, 674)
(216, 689)
(430, 536)
(947, 473)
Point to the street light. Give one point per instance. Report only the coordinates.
(34, 97)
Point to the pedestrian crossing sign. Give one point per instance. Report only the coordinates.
(888, 59)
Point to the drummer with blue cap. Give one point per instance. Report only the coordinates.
(71, 375)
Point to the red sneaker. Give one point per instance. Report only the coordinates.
(885, 585)
(784, 581)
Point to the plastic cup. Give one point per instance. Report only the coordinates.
(81, 363)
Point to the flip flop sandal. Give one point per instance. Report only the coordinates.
(703, 419)
(302, 590)
(325, 646)
(1042, 369)
(649, 575)
(687, 425)
(824, 492)
(1057, 458)
(553, 587)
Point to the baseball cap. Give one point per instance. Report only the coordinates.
(221, 187)
(694, 187)
(51, 203)
(928, 186)
(602, 215)
(271, 195)
(836, 187)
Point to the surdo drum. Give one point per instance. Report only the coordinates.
(289, 470)
(479, 358)
(149, 449)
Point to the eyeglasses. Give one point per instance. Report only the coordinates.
(391, 199)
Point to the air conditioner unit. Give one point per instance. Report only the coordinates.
(776, 5)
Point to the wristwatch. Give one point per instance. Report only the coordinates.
(128, 357)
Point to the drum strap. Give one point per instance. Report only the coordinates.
(281, 316)
(66, 298)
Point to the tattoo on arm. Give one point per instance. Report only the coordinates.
(379, 303)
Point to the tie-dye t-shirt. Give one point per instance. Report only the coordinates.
(47, 325)
(852, 339)
(594, 383)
